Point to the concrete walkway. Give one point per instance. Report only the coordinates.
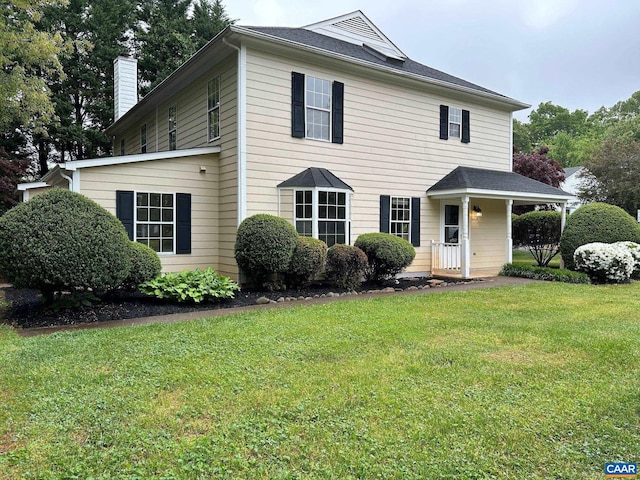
(489, 282)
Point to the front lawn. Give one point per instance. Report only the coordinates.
(538, 381)
(524, 257)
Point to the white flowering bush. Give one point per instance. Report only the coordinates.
(634, 250)
(605, 262)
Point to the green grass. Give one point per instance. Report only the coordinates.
(538, 381)
(524, 257)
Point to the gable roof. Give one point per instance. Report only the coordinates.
(481, 182)
(571, 171)
(315, 177)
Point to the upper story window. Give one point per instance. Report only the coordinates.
(317, 108)
(400, 222)
(122, 149)
(155, 221)
(173, 127)
(454, 123)
(213, 108)
(143, 138)
(323, 214)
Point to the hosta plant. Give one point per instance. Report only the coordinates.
(191, 286)
(604, 262)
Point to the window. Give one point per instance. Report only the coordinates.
(401, 217)
(173, 127)
(155, 221)
(122, 146)
(143, 138)
(304, 212)
(451, 224)
(322, 214)
(455, 122)
(213, 108)
(318, 108)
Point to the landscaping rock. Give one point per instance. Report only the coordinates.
(388, 290)
(262, 301)
(435, 282)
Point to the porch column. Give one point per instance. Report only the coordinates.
(563, 221)
(509, 243)
(465, 267)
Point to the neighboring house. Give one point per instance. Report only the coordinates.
(572, 183)
(330, 126)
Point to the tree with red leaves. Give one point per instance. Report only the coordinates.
(538, 166)
(12, 170)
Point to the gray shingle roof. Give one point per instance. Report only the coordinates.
(315, 177)
(313, 39)
(482, 179)
(570, 171)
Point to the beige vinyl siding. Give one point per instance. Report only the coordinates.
(167, 176)
(287, 205)
(488, 235)
(391, 142)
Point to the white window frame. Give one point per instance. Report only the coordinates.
(213, 106)
(143, 138)
(161, 222)
(455, 118)
(308, 107)
(173, 127)
(315, 208)
(406, 235)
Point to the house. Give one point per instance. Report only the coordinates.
(330, 126)
(572, 183)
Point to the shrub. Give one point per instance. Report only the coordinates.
(634, 250)
(307, 263)
(539, 232)
(596, 222)
(264, 246)
(387, 255)
(346, 266)
(191, 286)
(543, 273)
(145, 265)
(62, 241)
(604, 262)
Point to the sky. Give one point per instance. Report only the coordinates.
(579, 54)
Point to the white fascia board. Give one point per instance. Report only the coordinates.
(502, 195)
(30, 185)
(270, 38)
(142, 157)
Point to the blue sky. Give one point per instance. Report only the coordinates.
(575, 53)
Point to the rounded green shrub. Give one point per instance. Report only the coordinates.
(596, 222)
(388, 255)
(145, 265)
(307, 263)
(346, 266)
(62, 241)
(264, 246)
(539, 232)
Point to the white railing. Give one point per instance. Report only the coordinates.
(445, 256)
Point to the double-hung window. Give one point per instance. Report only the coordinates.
(400, 221)
(323, 214)
(155, 221)
(213, 108)
(173, 127)
(143, 138)
(318, 108)
(455, 122)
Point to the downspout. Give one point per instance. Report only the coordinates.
(242, 129)
(68, 179)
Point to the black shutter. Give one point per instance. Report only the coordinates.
(444, 122)
(415, 221)
(297, 105)
(124, 210)
(337, 112)
(385, 209)
(183, 223)
(465, 126)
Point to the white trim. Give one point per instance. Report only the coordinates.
(173, 130)
(242, 133)
(465, 264)
(497, 194)
(214, 108)
(320, 109)
(511, 141)
(509, 242)
(449, 122)
(174, 222)
(391, 221)
(139, 157)
(30, 185)
(75, 181)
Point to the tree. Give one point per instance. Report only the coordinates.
(548, 120)
(538, 166)
(539, 232)
(522, 142)
(27, 56)
(207, 21)
(611, 176)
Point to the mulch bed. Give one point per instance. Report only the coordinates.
(27, 310)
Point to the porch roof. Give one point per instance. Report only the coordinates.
(484, 183)
(315, 177)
